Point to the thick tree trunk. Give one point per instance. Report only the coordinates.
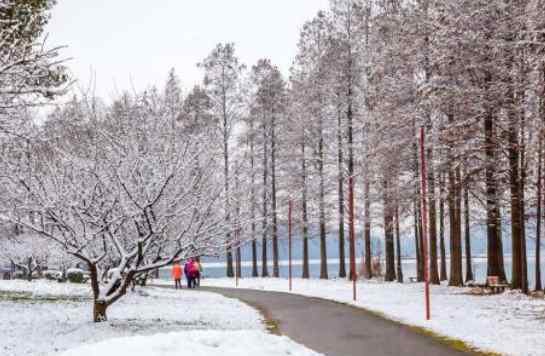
(306, 269)
(99, 311)
(516, 219)
(443, 275)
(495, 266)
(398, 246)
(434, 273)
(390, 274)
(367, 230)
(456, 276)
(340, 192)
(469, 266)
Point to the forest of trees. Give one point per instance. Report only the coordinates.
(368, 74)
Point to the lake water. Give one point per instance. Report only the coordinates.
(218, 270)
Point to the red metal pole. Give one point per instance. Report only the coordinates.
(424, 217)
(290, 208)
(352, 236)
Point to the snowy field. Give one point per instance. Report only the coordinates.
(510, 323)
(48, 319)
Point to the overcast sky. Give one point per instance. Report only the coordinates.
(135, 42)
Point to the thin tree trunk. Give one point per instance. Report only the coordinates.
(253, 203)
(306, 270)
(264, 266)
(367, 229)
(523, 176)
(398, 245)
(230, 272)
(276, 269)
(390, 274)
(443, 276)
(417, 220)
(340, 170)
(323, 243)
(434, 274)
(538, 285)
(469, 266)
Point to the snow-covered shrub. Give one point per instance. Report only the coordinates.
(53, 275)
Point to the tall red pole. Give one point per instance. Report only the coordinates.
(352, 236)
(424, 217)
(290, 208)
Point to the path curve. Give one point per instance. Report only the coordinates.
(336, 329)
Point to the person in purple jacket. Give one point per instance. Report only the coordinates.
(187, 271)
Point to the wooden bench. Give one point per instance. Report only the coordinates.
(493, 283)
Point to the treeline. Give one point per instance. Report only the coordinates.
(367, 75)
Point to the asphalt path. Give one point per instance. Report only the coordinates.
(336, 329)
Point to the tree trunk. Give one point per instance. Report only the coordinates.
(253, 204)
(264, 267)
(538, 285)
(417, 210)
(469, 266)
(230, 272)
(443, 276)
(516, 219)
(340, 192)
(495, 265)
(306, 269)
(323, 243)
(523, 176)
(418, 256)
(456, 276)
(390, 274)
(349, 117)
(434, 274)
(367, 229)
(99, 311)
(398, 246)
(276, 269)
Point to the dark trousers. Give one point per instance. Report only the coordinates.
(178, 284)
(190, 282)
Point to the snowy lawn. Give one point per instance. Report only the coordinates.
(149, 322)
(509, 323)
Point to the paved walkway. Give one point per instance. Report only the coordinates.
(336, 329)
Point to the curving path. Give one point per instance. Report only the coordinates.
(336, 329)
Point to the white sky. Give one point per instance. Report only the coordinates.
(134, 43)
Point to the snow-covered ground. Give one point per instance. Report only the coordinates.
(149, 322)
(509, 323)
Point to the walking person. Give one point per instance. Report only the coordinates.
(177, 275)
(199, 272)
(187, 270)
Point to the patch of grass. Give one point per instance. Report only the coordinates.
(29, 297)
(451, 342)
